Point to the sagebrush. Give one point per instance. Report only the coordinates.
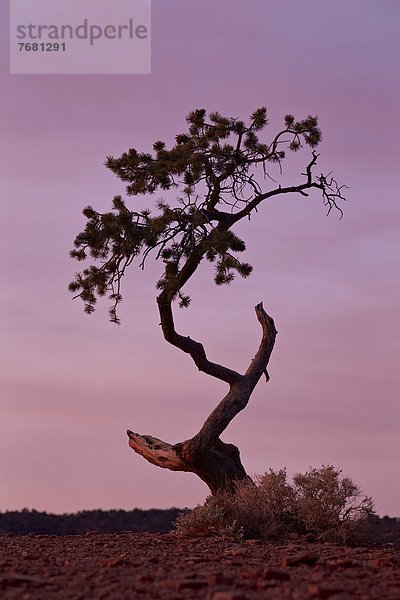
(321, 502)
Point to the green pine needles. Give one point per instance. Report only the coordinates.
(212, 167)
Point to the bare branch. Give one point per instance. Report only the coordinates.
(157, 452)
(258, 365)
(331, 192)
(191, 347)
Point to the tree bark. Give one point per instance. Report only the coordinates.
(217, 463)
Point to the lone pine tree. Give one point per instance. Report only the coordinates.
(213, 168)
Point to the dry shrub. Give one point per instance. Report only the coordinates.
(330, 505)
(321, 502)
(215, 518)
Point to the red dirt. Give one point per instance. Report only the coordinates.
(127, 566)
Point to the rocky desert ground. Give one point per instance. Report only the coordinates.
(128, 565)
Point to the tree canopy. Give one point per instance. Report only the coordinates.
(213, 168)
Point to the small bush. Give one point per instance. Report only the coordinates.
(330, 505)
(321, 502)
(210, 520)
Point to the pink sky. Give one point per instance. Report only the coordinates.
(71, 384)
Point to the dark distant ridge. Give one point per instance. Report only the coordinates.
(27, 521)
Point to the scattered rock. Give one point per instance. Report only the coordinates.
(277, 574)
(14, 579)
(144, 578)
(318, 591)
(112, 562)
(345, 563)
(238, 552)
(229, 596)
(304, 558)
(186, 584)
(153, 566)
(219, 579)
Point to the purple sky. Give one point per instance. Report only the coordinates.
(71, 384)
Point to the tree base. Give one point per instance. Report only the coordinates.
(219, 467)
(218, 464)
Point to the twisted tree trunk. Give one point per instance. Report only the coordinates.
(218, 464)
(210, 174)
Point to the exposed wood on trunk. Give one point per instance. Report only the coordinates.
(206, 455)
(219, 467)
(156, 451)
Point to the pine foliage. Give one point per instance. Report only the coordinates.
(212, 168)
